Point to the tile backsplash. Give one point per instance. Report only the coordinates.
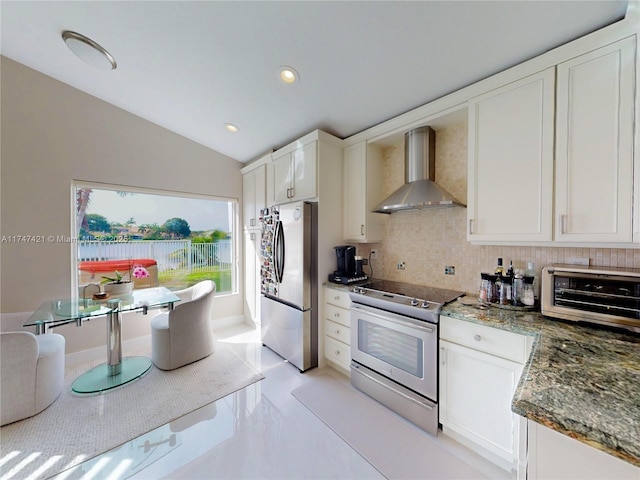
(427, 241)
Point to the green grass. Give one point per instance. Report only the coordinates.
(175, 280)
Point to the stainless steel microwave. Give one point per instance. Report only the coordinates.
(600, 295)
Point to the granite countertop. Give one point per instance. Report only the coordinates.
(580, 381)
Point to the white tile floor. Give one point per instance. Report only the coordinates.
(261, 432)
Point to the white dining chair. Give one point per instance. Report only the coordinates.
(183, 335)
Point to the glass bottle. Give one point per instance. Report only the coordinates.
(510, 270)
(517, 288)
(505, 291)
(497, 288)
(483, 294)
(499, 267)
(531, 272)
(528, 293)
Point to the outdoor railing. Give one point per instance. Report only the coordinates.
(174, 255)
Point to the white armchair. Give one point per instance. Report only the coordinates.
(31, 369)
(183, 335)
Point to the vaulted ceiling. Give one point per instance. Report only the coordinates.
(192, 67)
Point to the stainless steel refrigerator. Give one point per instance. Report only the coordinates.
(289, 302)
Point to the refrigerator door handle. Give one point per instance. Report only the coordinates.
(275, 251)
(279, 251)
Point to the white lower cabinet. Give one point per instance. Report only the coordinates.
(477, 384)
(337, 331)
(553, 455)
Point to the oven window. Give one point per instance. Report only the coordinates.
(392, 347)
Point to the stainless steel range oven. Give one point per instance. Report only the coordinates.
(394, 347)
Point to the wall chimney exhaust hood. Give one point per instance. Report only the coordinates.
(419, 190)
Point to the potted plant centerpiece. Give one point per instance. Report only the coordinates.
(118, 285)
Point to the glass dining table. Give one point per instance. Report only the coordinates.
(116, 371)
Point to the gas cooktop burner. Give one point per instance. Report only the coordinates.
(417, 301)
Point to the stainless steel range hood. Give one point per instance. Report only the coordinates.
(419, 190)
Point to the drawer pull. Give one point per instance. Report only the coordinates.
(337, 353)
(477, 338)
(337, 315)
(337, 332)
(337, 297)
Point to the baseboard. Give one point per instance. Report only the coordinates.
(492, 457)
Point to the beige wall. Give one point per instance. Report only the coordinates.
(53, 134)
(428, 240)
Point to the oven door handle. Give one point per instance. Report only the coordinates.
(389, 387)
(394, 320)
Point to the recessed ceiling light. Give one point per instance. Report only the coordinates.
(288, 74)
(89, 51)
(231, 127)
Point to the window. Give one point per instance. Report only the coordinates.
(177, 239)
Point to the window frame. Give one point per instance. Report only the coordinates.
(235, 224)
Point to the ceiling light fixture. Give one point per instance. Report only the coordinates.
(288, 74)
(89, 51)
(231, 127)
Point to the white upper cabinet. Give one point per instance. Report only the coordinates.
(362, 192)
(513, 166)
(294, 174)
(594, 145)
(510, 161)
(253, 196)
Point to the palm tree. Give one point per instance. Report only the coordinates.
(83, 197)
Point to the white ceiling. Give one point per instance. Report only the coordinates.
(191, 67)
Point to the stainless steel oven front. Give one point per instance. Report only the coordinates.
(395, 361)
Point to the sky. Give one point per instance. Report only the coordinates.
(201, 214)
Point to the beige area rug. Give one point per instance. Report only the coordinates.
(394, 447)
(75, 428)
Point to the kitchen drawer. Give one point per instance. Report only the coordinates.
(493, 341)
(337, 314)
(337, 352)
(339, 298)
(337, 331)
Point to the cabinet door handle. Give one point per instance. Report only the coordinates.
(361, 229)
(477, 338)
(471, 226)
(293, 192)
(562, 223)
(252, 236)
(442, 357)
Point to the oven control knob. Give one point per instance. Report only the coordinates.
(414, 303)
(425, 304)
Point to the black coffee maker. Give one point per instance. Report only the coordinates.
(346, 261)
